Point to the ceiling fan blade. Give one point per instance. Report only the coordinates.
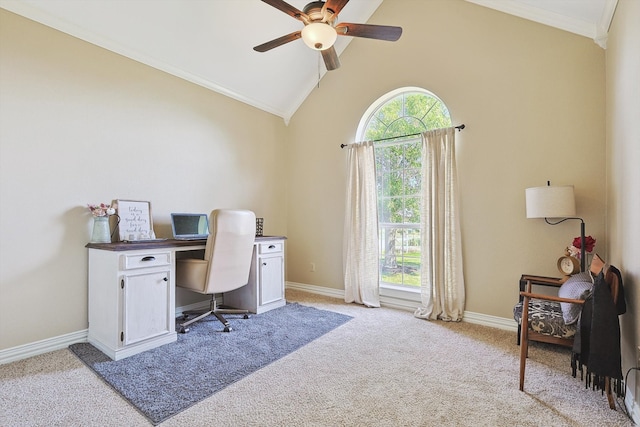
(330, 57)
(380, 32)
(335, 5)
(277, 42)
(288, 9)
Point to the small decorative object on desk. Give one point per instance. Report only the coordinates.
(259, 225)
(101, 230)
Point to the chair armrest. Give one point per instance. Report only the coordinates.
(526, 280)
(542, 280)
(551, 298)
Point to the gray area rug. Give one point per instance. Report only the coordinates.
(166, 380)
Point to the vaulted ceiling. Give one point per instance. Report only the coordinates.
(210, 42)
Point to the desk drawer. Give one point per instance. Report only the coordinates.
(146, 260)
(270, 247)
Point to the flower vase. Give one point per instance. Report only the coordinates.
(101, 231)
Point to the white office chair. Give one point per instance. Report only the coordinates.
(226, 263)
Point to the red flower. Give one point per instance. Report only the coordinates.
(589, 243)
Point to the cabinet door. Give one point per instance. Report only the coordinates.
(271, 279)
(145, 302)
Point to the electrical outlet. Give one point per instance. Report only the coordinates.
(313, 267)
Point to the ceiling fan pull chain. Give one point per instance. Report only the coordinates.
(319, 65)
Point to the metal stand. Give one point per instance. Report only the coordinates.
(213, 309)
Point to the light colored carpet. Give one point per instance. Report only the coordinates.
(383, 368)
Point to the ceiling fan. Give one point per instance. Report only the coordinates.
(321, 30)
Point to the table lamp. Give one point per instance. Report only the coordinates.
(555, 202)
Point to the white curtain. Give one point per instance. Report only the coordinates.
(360, 244)
(441, 276)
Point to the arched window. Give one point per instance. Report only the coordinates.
(395, 121)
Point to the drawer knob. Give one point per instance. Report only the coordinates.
(166, 279)
(272, 246)
(149, 258)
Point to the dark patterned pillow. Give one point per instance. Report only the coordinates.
(578, 286)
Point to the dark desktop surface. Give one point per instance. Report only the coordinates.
(159, 243)
(145, 244)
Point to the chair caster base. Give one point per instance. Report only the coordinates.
(246, 316)
(227, 329)
(182, 330)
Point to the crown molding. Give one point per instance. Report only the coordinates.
(602, 28)
(597, 31)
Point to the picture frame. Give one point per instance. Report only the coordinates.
(135, 220)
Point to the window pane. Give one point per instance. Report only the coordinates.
(400, 256)
(384, 214)
(395, 206)
(393, 183)
(412, 210)
(413, 154)
(412, 178)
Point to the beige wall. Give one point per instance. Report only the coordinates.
(623, 171)
(79, 124)
(532, 98)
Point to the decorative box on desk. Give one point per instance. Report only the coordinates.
(265, 290)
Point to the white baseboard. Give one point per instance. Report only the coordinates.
(492, 321)
(314, 289)
(40, 347)
(25, 351)
(409, 304)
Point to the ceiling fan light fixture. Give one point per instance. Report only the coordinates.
(319, 36)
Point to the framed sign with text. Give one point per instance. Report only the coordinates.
(136, 221)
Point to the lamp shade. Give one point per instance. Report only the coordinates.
(319, 36)
(550, 202)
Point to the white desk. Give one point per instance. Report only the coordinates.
(132, 291)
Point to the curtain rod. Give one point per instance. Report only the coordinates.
(459, 127)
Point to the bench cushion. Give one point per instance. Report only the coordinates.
(545, 317)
